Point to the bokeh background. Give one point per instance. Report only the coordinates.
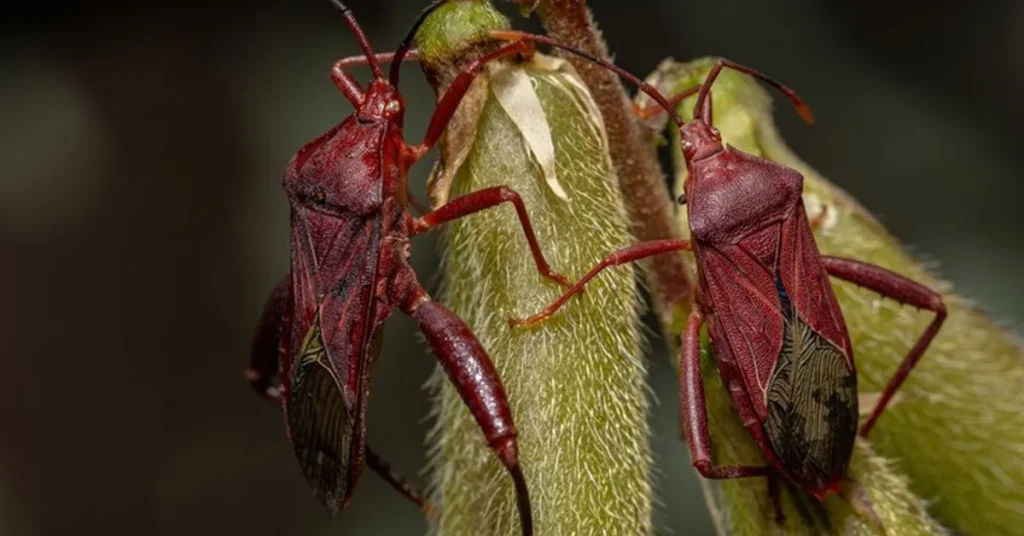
(142, 224)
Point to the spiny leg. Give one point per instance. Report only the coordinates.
(894, 286)
(625, 255)
(694, 411)
(472, 373)
(482, 200)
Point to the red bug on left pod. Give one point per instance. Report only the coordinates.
(321, 328)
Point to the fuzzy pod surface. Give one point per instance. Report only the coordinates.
(955, 429)
(576, 384)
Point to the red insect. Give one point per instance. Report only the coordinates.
(320, 332)
(776, 328)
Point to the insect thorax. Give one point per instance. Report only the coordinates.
(734, 194)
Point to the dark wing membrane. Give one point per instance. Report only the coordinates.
(319, 423)
(812, 407)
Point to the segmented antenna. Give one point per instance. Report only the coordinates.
(512, 35)
(406, 44)
(650, 91)
(357, 31)
(705, 112)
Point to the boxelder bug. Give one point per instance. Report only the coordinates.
(776, 329)
(321, 328)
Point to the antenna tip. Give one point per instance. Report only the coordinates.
(340, 6)
(805, 113)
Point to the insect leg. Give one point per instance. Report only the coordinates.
(263, 371)
(347, 84)
(894, 286)
(379, 466)
(775, 495)
(344, 81)
(384, 470)
(625, 255)
(482, 200)
(694, 413)
(449, 102)
(397, 481)
(471, 371)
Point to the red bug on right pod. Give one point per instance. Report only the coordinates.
(776, 329)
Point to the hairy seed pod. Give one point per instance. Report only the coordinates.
(576, 385)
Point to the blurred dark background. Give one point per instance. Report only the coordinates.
(142, 224)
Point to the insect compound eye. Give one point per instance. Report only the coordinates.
(392, 107)
(687, 146)
(681, 199)
(319, 196)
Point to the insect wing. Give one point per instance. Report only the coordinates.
(812, 407)
(808, 286)
(320, 423)
(747, 326)
(334, 338)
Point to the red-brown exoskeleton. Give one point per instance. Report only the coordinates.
(320, 332)
(776, 329)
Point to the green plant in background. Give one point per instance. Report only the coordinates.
(951, 439)
(577, 387)
(956, 428)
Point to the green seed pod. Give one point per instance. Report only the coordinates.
(576, 383)
(955, 428)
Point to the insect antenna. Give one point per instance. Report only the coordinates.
(357, 31)
(406, 44)
(649, 90)
(661, 100)
(704, 112)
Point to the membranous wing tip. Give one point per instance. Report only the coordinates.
(320, 424)
(812, 407)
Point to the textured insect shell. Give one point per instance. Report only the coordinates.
(346, 271)
(777, 332)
